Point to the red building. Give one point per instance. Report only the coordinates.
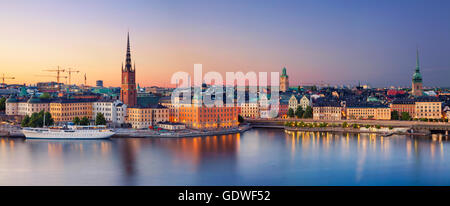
(404, 105)
(128, 93)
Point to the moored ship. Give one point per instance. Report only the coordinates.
(68, 132)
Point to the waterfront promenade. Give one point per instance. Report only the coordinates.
(419, 127)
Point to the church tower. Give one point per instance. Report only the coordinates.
(284, 81)
(417, 87)
(128, 93)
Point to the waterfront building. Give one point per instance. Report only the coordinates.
(21, 106)
(12, 106)
(264, 107)
(446, 112)
(36, 104)
(65, 110)
(404, 105)
(284, 81)
(144, 117)
(428, 107)
(173, 126)
(173, 109)
(283, 108)
(249, 110)
(128, 93)
(114, 111)
(368, 111)
(324, 110)
(417, 86)
(202, 117)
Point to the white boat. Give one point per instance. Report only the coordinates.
(70, 132)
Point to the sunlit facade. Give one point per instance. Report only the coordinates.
(65, 110)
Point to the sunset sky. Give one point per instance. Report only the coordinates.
(335, 42)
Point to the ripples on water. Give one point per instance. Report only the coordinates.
(256, 157)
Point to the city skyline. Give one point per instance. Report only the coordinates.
(374, 43)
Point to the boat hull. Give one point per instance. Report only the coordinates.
(66, 135)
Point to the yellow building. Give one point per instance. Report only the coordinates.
(250, 110)
(377, 112)
(428, 107)
(65, 110)
(327, 111)
(144, 117)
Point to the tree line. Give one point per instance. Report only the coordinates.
(37, 120)
(300, 113)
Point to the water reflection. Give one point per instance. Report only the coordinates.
(257, 157)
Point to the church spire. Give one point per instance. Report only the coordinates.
(417, 60)
(128, 56)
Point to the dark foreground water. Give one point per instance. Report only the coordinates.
(257, 157)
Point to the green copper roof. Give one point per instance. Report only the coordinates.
(283, 73)
(417, 77)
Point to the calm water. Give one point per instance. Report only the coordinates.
(257, 157)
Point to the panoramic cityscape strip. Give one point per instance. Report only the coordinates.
(215, 106)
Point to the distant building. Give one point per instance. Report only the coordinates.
(417, 86)
(128, 93)
(99, 83)
(284, 81)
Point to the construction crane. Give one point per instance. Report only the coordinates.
(70, 71)
(57, 77)
(4, 77)
(58, 73)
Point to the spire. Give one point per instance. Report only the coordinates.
(128, 56)
(417, 60)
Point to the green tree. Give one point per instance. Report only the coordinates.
(299, 112)
(37, 119)
(394, 115)
(48, 119)
(345, 124)
(100, 119)
(2, 104)
(291, 112)
(308, 112)
(25, 121)
(314, 88)
(240, 119)
(84, 121)
(405, 116)
(76, 121)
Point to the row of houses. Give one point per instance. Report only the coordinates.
(423, 107)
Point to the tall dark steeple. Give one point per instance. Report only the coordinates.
(128, 66)
(128, 93)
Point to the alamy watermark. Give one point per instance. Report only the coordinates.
(222, 93)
